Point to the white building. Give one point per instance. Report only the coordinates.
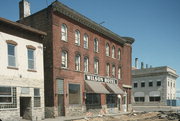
(153, 86)
(21, 72)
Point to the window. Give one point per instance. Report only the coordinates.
(150, 84)
(63, 32)
(107, 69)
(77, 37)
(158, 83)
(135, 85)
(86, 41)
(142, 84)
(93, 101)
(77, 63)
(11, 55)
(64, 59)
(5, 95)
(113, 71)
(74, 94)
(155, 99)
(107, 50)
(96, 66)
(119, 73)
(86, 64)
(111, 100)
(95, 45)
(139, 99)
(119, 54)
(113, 52)
(31, 63)
(37, 99)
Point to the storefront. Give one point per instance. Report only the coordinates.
(103, 93)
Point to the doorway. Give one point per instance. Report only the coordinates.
(25, 108)
(61, 111)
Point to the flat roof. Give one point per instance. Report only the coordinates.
(21, 26)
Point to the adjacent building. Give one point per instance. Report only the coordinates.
(153, 86)
(86, 66)
(21, 72)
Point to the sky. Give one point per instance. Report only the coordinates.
(154, 24)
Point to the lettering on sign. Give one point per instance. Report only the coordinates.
(100, 79)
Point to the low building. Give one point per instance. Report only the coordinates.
(87, 67)
(153, 86)
(21, 72)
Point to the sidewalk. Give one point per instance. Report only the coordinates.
(63, 118)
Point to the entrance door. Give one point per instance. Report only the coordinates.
(25, 108)
(61, 105)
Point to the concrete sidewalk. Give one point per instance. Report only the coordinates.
(64, 118)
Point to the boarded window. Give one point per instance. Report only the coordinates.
(74, 94)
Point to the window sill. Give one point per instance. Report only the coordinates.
(64, 40)
(15, 68)
(65, 68)
(78, 45)
(86, 48)
(30, 70)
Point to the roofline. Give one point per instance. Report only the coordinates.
(65, 10)
(18, 25)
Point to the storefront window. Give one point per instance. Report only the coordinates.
(93, 101)
(154, 99)
(74, 94)
(111, 100)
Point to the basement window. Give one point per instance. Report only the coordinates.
(5, 95)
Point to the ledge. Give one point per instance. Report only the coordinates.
(10, 67)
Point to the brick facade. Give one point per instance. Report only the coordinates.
(50, 21)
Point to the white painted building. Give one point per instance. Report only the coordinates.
(21, 72)
(153, 86)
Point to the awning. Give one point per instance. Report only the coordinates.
(154, 93)
(139, 94)
(115, 88)
(95, 87)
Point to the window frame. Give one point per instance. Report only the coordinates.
(96, 66)
(135, 85)
(96, 45)
(77, 38)
(113, 52)
(7, 96)
(86, 64)
(80, 95)
(65, 62)
(77, 62)
(119, 73)
(107, 49)
(158, 84)
(119, 54)
(108, 69)
(142, 84)
(33, 60)
(113, 71)
(10, 56)
(86, 41)
(64, 32)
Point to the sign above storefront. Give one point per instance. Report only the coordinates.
(97, 78)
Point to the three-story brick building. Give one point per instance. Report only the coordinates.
(86, 65)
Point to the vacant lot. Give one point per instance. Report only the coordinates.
(151, 116)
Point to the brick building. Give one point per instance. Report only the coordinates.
(21, 72)
(86, 65)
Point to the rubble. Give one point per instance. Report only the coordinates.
(139, 116)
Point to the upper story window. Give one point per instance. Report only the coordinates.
(113, 52)
(107, 50)
(142, 84)
(135, 84)
(158, 83)
(63, 32)
(5, 95)
(86, 41)
(86, 64)
(113, 71)
(119, 54)
(64, 59)
(31, 62)
(77, 63)
(107, 69)
(11, 55)
(96, 66)
(150, 84)
(119, 73)
(77, 37)
(96, 45)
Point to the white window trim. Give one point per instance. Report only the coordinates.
(8, 96)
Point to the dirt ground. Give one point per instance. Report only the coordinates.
(143, 116)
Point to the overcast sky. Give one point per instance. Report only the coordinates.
(155, 24)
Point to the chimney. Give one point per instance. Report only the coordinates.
(136, 63)
(24, 9)
(142, 65)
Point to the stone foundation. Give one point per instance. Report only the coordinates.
(75, 110)
(49, 112)
(9, 115)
